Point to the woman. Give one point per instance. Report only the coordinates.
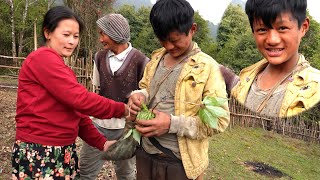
(52, 107)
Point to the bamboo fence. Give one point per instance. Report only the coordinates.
(82, 67)
(298, 127)
(11, 65)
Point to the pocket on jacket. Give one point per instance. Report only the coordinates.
(194, 88)
(308, 91)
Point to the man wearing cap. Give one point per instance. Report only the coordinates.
(117, 71)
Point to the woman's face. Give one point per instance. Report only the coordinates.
(64, 38)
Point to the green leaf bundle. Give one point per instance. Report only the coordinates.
(211, 110)
(145, 113)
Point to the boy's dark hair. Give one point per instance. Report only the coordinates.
(167, 16)
(57, 14)
(269, 10)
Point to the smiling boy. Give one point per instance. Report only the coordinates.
(283, 83)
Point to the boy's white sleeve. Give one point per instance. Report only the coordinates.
(184, 126)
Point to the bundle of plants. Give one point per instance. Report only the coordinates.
(127, 145)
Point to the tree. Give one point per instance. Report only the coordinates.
(23, 23)
(202, 36)
(147, 41)
(13, 35)
(137, 22)
(142, 35)
(310, 44)
(236, 46)
(234, 24)
(20, 15)
(29, 11)
(90, 11)
(6, 29)
(239, 53)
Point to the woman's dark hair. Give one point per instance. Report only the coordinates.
(55, 15)
(269, 10)
(167, 16)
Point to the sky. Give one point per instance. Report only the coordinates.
(213, 10)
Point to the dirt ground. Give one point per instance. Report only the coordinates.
(7, 133)
(7, 130)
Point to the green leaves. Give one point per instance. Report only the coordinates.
(128, 134)
(145, 114)
(211, 110)
(135, 134)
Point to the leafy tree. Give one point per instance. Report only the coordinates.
(17, 19)
(310, 45)
(136, 21)
(32, 13)
(236, 46)
(239, 53)
(142, 36)
(5, 30)
(202, 36)
(27, 13)
(234, 24)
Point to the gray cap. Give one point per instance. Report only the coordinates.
(116, 27)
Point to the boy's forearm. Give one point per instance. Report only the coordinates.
(183, 126)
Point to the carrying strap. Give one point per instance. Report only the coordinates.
(165, 150)
(165, 76)
(266, 99)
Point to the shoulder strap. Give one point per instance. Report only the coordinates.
(169, 71)
(264, 103)
(165, 150)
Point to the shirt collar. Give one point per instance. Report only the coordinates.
(121, 56)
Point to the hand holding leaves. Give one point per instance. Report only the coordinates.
(144, 114)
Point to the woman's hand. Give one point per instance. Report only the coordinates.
(134, 103)
(107, 144)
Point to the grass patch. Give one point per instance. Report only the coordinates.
(229, 152)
